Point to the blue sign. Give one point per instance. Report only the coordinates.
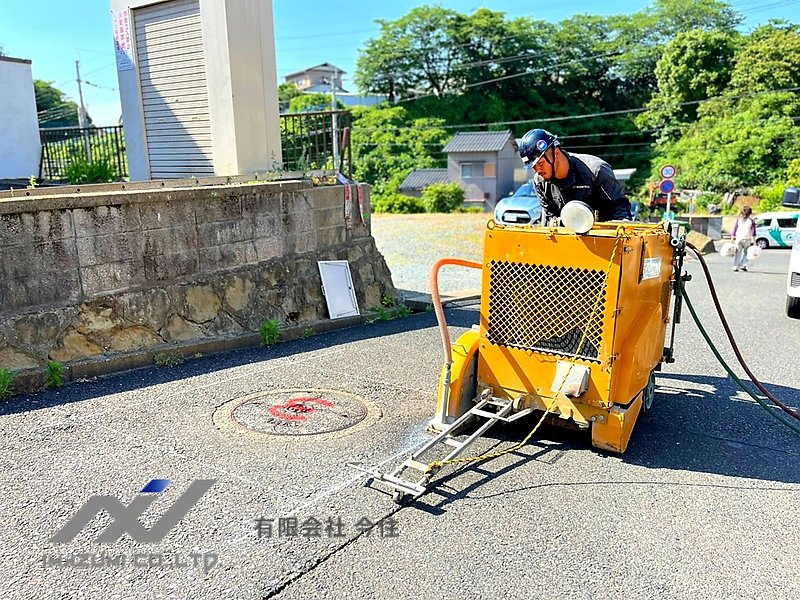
(666, 186)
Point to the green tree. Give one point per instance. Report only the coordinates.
(312, 103)
(580, 75)
(53, 107)
(769, 61)
(695, 66)
(286, 93)
(413, 55)
(642, 36)
(734, 145)
(489, 47)
(387, 145)
(746, 136)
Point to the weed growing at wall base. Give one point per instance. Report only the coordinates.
(55, 374)
(162, 359)
(6, 384)
(391, 308)
(270, 331)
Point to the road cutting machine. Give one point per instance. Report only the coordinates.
(574, 321)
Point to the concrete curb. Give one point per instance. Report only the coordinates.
(30, 381)
(422, 302)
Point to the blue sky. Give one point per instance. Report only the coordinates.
(56, 33)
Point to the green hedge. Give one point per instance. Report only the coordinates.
(442, 197)
(397, 203)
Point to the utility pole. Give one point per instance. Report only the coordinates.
(333, 121)
(82, 114)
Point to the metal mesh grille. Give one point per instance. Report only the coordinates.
(545, 308)
(795, 280)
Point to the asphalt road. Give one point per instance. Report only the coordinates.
(704, 504)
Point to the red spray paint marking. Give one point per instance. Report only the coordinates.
(297, 405)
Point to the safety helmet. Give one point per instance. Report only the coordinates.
(534, 144)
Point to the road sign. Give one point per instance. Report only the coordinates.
(666, 186)
(667, 172)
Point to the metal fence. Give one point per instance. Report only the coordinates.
(310, 141)
(68, 147)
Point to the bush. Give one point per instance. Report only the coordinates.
(771, 198)
(703, 200)
(730, 209)
(397, 203)
(793, 173)
(442, 197)
(80, 171)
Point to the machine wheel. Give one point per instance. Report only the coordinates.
(648, 393)
(762, 243)
(792, 307)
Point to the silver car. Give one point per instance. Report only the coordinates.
(521, 208)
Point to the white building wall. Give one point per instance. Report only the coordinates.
(475, 188)
(507, 161)
(241, 76)
(20, 146)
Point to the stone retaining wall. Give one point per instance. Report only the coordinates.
(89, 275)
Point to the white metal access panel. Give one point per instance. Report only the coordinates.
(337, 286)
(172, 74)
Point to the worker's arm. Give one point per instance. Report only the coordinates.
(611, 190)
(549, 207)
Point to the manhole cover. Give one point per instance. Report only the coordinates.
(299, 412)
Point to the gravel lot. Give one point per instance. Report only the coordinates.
(411, 245)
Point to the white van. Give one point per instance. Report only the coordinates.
(776, 229)
(793, 283)
(791, 199)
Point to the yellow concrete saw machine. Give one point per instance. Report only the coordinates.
(573, 326)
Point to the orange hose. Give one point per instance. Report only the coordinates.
(436, 299)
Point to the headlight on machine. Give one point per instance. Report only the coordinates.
(577, 216)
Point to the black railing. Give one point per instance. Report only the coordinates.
(307, 141)
(63, 147)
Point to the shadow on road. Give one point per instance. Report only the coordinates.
(698, 423)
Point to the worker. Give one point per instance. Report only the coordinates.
(560, 177)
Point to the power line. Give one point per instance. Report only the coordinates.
(547, 68)
(101, 87)
(596, 114)
(767, 6)
(532, 72)
(322, 35)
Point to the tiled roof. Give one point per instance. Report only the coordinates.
(479, 141)
(419, 179)
(326, 66)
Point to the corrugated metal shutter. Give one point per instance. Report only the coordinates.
(171, 61)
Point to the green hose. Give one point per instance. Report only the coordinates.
(794, 427)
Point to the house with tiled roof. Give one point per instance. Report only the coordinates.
(482, 162)
(318, 80)
(416, 181)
